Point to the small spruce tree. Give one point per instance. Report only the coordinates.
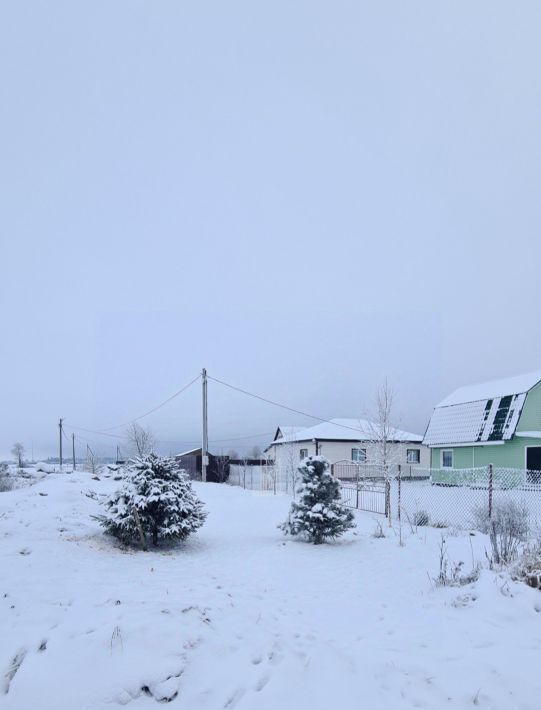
(156, 500)
(318, 514)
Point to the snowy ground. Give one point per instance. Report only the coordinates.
(238, 617)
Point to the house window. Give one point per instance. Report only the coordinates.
(413, 455)
(358, 455)
(447, 458)
(304, 453)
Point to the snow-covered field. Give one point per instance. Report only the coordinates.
(239, 617)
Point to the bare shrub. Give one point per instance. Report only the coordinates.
(528, 566)
(507, 529)
(92, 464)
(451, 573)
(221, 467)
(378, 532)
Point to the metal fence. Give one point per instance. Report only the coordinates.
(414, 495)
(457, 497)
(265, 478)
(372, 496)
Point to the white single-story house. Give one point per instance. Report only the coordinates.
(346, 440)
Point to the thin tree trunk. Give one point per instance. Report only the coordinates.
(140, 529)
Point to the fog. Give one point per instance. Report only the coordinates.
(303, 197)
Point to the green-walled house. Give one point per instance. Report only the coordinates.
(495, 423)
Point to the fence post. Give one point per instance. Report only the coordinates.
(490, 487)
(357, 490)
(399, 489)
(388, 500)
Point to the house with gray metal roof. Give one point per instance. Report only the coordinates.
(497, 422)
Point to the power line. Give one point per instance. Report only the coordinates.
(107, 431)
(95, 431)
(282, 406)
(240, 438)
(141, 416)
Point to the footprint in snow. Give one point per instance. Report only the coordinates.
(262, 682)
(234, 699)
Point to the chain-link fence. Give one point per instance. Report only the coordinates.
(264, 478)
(458, 497)
(414, 495)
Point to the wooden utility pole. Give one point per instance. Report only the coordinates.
(73, 448)
(60, 440)
(205, 441)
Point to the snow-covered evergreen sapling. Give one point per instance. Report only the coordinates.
(318, 513)
(156, 500)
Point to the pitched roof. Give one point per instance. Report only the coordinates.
(190, 452)
(486, 412)
(495, 388)
(342, 430)
(284, 431)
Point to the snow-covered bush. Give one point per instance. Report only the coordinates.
(528, 566)
(44, 467)
(507, 528)
(318, 513)
(155, 500)
(6, 483)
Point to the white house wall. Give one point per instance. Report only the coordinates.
(335, 451)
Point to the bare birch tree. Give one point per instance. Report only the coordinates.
(92, 463)
(244, 467)
(140, 439)
(382, 432)
(18, 453)
(290, 462)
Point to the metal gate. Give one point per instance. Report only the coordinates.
(372, 496)
(364, 486)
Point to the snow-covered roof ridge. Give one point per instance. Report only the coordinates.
(518, 384)
(343, 429)
(288, 430)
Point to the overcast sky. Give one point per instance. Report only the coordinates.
(304, 197)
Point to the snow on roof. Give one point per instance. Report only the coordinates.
(518, 384)
(487, 412)
(342, 430)
(189, 452)
(288, 431)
